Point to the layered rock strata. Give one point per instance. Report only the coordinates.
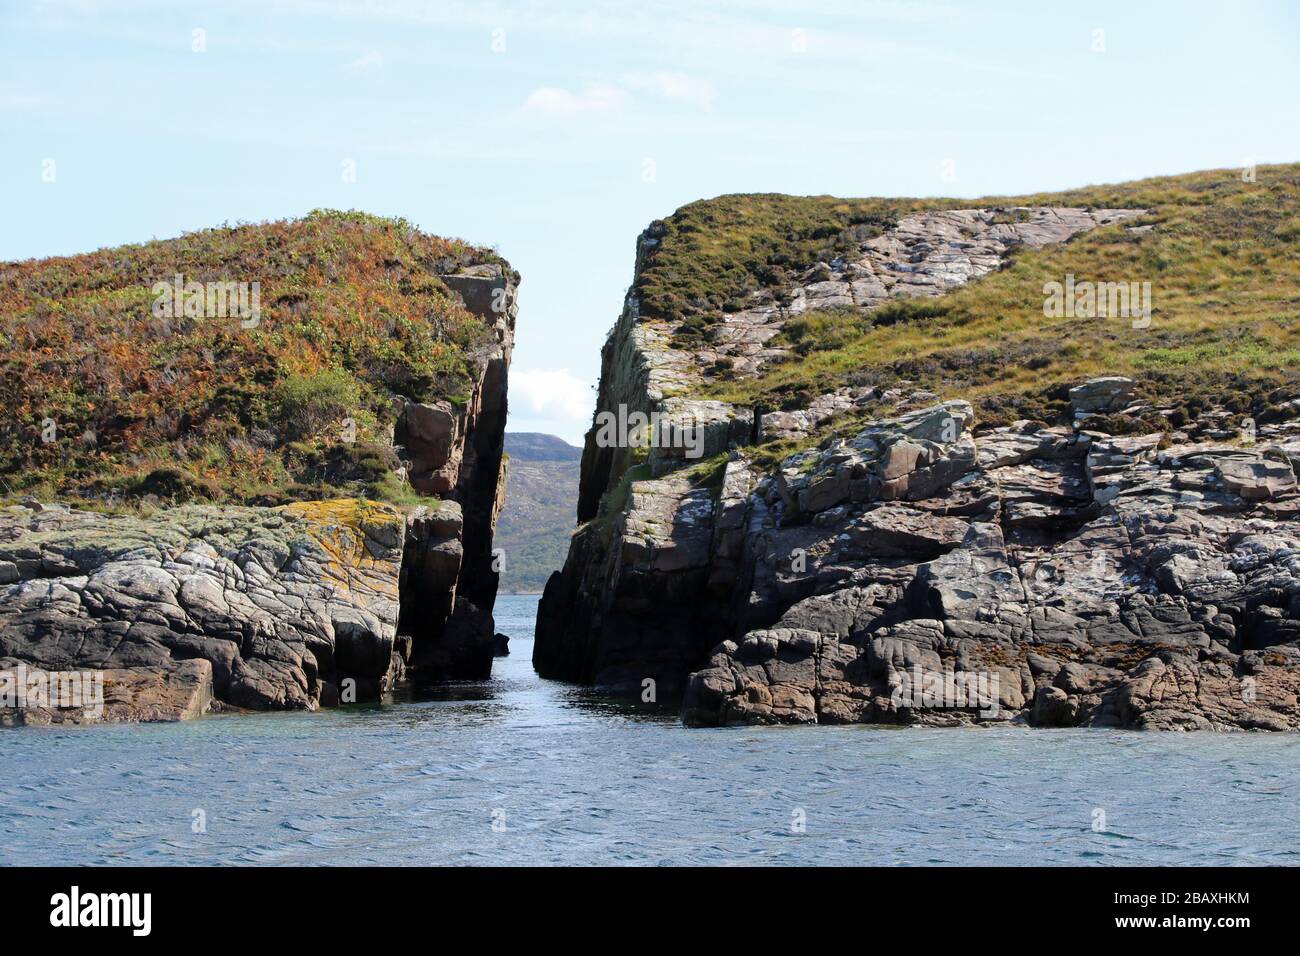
(927, 569)
(289, 608)
(923, 255)
(285, 608)
(593, 626)
(457, 452)
(1083, 578)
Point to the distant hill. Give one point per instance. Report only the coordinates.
(534, 446)
(539, 514)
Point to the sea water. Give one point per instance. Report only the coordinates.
(519, 770)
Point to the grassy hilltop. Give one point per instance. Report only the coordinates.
(1222, 257)
(352, 314)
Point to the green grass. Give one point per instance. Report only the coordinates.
(352, 313)
(306, 404)
(709, 473)
(714, 253)
(1253, 352)
(823, 330)
(1222, 271)
(1223, 261)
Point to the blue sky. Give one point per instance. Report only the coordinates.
(556, 131)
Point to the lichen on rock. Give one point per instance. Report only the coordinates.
(301, 596)
(881, 548)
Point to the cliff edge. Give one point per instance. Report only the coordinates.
(1027, 458)
(257, 466)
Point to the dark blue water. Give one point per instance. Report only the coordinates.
(525, 771)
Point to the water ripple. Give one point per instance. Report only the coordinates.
(523, 771)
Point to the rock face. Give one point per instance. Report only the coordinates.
(926, 569)
(175, 691)
(592, 624)
(625, 608)
(923, 255)
(283, 605)
(1076, 578)
(271, 608)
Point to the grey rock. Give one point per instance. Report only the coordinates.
(1257, 480)
(1079, 578)
(1109, 394)
(278, 601)
(1046, 576)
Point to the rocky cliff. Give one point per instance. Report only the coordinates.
(923, 488)
(283, 508)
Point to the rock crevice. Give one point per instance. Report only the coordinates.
(927, 569)
(286, 608)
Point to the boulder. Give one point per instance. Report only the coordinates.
(1257, 480)
(277, 603)
(1111, 393)
(431, 441)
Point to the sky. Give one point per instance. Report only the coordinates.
(556, 131)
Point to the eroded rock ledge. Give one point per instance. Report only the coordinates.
(1093, 574)
(289, 608)
(1100, 581)
(280, 605)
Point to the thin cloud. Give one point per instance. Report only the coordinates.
(595, 98)
(371, 61)
(553, 394)
(681, 87)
